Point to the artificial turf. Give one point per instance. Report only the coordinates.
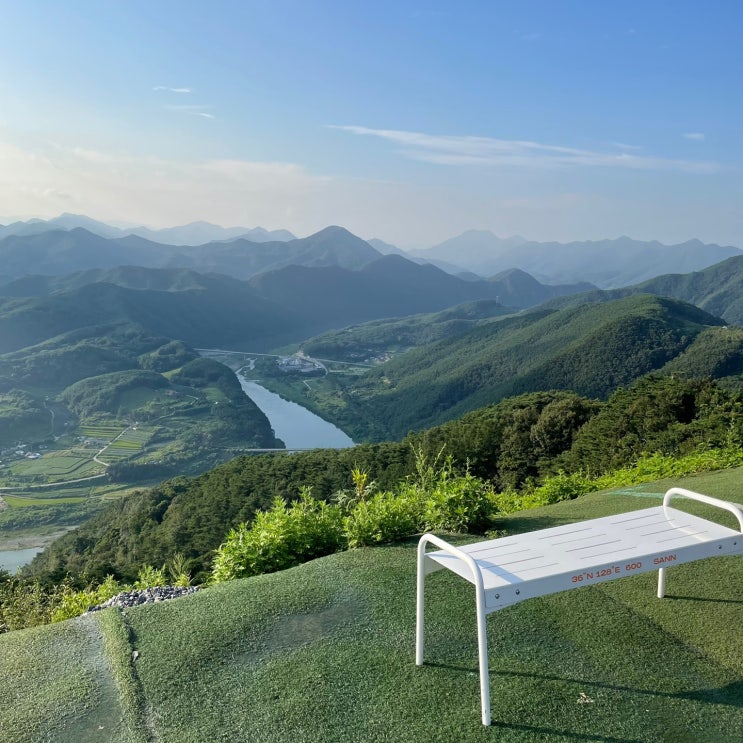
(325, 652)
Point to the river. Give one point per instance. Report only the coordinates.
(11, 560)
(296, 426)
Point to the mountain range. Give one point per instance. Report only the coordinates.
(262, 296)
(72, 242)
(589, 348)
(605, 263)
(61, 252)
(717, 289)
(195, 233)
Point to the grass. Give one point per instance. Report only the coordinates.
(324, 652)
(60, 681)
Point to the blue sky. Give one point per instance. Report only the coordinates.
(408, 121)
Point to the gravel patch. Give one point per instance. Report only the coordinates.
(137, 597)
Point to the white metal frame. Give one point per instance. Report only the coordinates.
(674, 537)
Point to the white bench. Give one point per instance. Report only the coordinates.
(511, 569)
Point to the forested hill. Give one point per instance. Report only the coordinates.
(275, 308)
(591, 349)
(526, 437)
(717, 289)
(228, 312)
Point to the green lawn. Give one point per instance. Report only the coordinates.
(325, 652)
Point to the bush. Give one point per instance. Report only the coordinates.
(457, 504)
(73, 603)
(279, 538)
(557, 488)
(24, 603)
(148, 577)
(385, 517)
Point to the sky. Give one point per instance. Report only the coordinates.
(407, 121)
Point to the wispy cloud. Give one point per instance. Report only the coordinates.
(171, 90)
(698, 136)
(625, 146)
(192, 110)
(488, 151)
(534, 36)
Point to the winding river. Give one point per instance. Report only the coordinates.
(296, 426)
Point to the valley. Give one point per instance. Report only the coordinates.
(90, 413)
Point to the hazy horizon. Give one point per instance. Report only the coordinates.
(5, 221)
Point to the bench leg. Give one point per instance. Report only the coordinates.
(419, 607)
(661, 582)
(482, 638)
(482, 650)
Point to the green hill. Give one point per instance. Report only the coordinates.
(715, 352)
(380, 337)
(717, 290)
(227, 312)
(590, 349)
(325, 652)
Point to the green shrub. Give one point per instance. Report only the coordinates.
(458, 504)
(284, 536)
(148, 577)
(179, 576)
(25, 603)
(557, 488)
(385, 517)
(73, 603)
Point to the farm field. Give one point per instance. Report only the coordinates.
(154, 434)
(17, 501)
(128, 444)
(56, 466)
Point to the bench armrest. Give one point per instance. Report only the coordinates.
(452, 550)
(732, 507)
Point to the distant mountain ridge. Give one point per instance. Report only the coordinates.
(606, 263)
(195, 233)
(70, 244)
(285, 305)
(60, 252)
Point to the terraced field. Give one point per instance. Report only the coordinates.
(127, 445)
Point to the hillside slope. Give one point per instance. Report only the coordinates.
(717, 289)
(590, 349)
(325, 652)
